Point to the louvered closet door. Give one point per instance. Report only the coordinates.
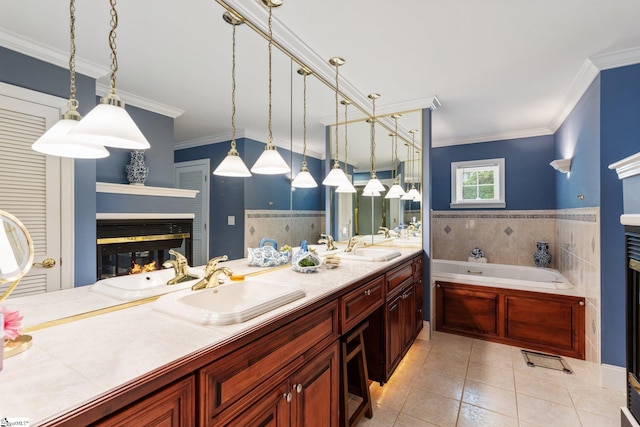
(194, 175)
(30, 186)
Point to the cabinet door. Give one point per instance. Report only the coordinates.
(272, 410)
(407, 314)
(474, 312)
(171, 407)
(394, 333)
(419, 301)
(316, 391)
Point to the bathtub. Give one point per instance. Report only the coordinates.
(500, 275)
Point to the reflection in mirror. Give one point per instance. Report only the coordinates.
(364, 215)
(16, 249)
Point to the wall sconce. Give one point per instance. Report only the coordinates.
(562, 165)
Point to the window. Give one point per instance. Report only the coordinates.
(477, 184)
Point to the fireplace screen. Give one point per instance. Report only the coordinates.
(135, 246)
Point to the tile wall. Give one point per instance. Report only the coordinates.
(287, 227)
(509, 237)
(577, 250)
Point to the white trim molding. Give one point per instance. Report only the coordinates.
(140, 102)
(630, 219)
(627, 167)
(143, 190)
(613, 377)
(100, 216)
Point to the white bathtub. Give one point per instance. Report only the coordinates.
(499, 275)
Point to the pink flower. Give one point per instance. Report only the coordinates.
(12, 323)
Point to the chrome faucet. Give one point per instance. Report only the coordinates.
(385, 232)
(353, 242)
(326, 238)
(212, 273)
(180, 266)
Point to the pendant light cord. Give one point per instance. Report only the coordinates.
(233, 88)
(112, 44)
(346, 140)
(270, 139)
(396, 160)
(337, 158)
(73, 102)
(372, 156)
(304, 120)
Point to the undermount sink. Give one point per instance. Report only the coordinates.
(371, 254)
(230, 303)
(144, 285)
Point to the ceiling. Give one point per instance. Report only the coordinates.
(501, 68)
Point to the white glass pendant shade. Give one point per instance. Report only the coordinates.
(370, 193)
(336, 177)
(270, 162)
(373, 185)
(406, 196)
(346, 188)
(304, 179)
(110, 125)
(232, 165)
(395, 192)
(418, 197)
(57, 142)
(413, 193)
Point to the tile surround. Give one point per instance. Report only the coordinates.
(284, 226)
(509, 237)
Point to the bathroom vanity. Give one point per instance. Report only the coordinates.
(138, 366)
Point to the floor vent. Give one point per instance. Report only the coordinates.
(543, 360)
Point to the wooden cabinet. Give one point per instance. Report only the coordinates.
(309, 397)
(540, 321)
(172, 406)
(418, 285)
(400, 315)
(230, 385)
(358, 304)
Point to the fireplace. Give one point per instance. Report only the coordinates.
(126, 244)
(633, 319)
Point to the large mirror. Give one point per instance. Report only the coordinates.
(368, 216)
(16, 251)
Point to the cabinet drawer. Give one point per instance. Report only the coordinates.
(360, 303)
(244, 371)
(419, 289)
(398, 275)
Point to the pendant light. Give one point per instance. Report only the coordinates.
(412, 193)
(409, 173)
(336, 177)
(56, 141)
(232, 165)
(109, 123)
(348, 186)
(374, 184)
(396, 191)
(418, 197)
(304, 178)
(270, 161)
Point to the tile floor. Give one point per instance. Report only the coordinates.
(457, 381)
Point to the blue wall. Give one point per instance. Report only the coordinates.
(231, 196)
(529, 180)
(620, 138)
(579, 139)
(24, 71)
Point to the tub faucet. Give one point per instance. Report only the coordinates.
(353, 242)
(212, 273)
(326, 238)
(384, 231)
(180, 266)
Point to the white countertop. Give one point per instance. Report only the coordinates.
(75, 362)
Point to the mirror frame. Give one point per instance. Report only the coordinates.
(4, 215)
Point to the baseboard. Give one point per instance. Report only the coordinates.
(613, 377)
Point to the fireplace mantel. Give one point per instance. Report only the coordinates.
(144, 190)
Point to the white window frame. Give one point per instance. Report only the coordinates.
(456, 184)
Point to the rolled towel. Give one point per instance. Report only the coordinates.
(481, 260)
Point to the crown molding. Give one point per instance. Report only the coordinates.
(499, 136)
(627, 167)
(45, 53)
(140, 102)
(620, 58)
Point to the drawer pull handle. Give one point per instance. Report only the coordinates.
(287, 396)
(393, 307)
(581, 303)
(367, 292)
(298, 388)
